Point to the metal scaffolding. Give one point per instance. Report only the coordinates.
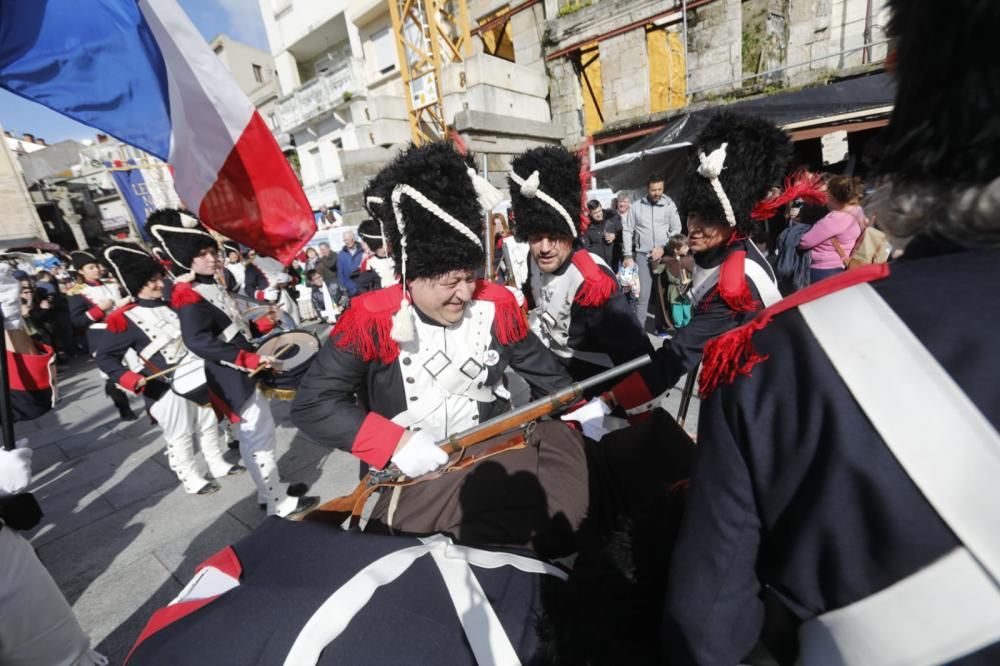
(429, 35)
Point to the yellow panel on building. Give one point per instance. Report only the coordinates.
(592, 89)
(667, 85)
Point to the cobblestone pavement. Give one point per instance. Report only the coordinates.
(119, 535)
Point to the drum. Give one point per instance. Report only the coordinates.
(295, 350)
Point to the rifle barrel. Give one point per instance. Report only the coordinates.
(543, 406)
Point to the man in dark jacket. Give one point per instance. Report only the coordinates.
(603, 236)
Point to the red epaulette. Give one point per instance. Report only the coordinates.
(597, 285)
(365, 328)
(733, 288)
(732, 353)
(509, 324)
(117, 321)
(184, 294)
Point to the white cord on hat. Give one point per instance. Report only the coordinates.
(529, 189)
(488, 195)
(711, 168)
(402, 321)
(378, 201)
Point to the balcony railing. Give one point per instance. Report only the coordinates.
(321, 95)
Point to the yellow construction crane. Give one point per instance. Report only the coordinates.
(429, 34)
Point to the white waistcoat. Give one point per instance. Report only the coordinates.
(445, 372)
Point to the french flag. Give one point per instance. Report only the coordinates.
(140, 71)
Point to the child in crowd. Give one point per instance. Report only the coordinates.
(678, 268)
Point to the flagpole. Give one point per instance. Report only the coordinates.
(6, 413)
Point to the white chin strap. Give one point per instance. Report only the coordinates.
(530, 189)
(402, 322)
(711, 168)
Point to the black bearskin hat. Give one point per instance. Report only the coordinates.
(944, 126)
(437, 173)
(181, 235)
(81, 258)
(371, 233)
(132, 266)
(756, 156)
(558, 177)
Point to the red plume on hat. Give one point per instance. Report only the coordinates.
(800, 185)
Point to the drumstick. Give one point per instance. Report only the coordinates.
(277, 357)
(159, 374)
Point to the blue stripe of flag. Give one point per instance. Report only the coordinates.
(93, 60)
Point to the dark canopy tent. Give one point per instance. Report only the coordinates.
(666, 150)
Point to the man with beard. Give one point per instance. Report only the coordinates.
(737, 159)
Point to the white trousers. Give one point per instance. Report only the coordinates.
(257, 446)
(181, 420)
(37, 626)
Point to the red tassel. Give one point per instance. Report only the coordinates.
(510, 325)
(183, 295)
(597, 285)
(117, 321)
(733, 354)
(727, 356)
(365, 328)
(800, 185)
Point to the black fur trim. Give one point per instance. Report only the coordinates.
(944, 125)
(433, 248)
(131, 269)
(757, 157)
(559, 177)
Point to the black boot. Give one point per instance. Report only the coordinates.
(121, 401)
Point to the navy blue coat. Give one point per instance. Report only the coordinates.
(712, 317)
(123, 334)
(794, 490)
(201, 325)
(288, 569)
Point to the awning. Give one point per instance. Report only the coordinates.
(864, 102)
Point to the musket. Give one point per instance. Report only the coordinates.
(682, 411)
(336, 510)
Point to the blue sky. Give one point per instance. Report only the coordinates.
(240, 19)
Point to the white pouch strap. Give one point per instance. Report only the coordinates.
(940, 438)
(482, 627)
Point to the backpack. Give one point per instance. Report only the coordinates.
(872, 247)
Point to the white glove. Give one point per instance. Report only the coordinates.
(420, 455)
(15, 468)
(591, 418)
(10, 299)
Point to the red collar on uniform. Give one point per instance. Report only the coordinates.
(733, 353)
(365, 329)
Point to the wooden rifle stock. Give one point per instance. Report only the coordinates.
(337, 510)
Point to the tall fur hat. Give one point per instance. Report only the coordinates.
(181, 235)
(81, 258)
(944, 127)
(231, 246)
(371, 233)
(745, 155)
(131, 265)
(545, 192)
(431, 212)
